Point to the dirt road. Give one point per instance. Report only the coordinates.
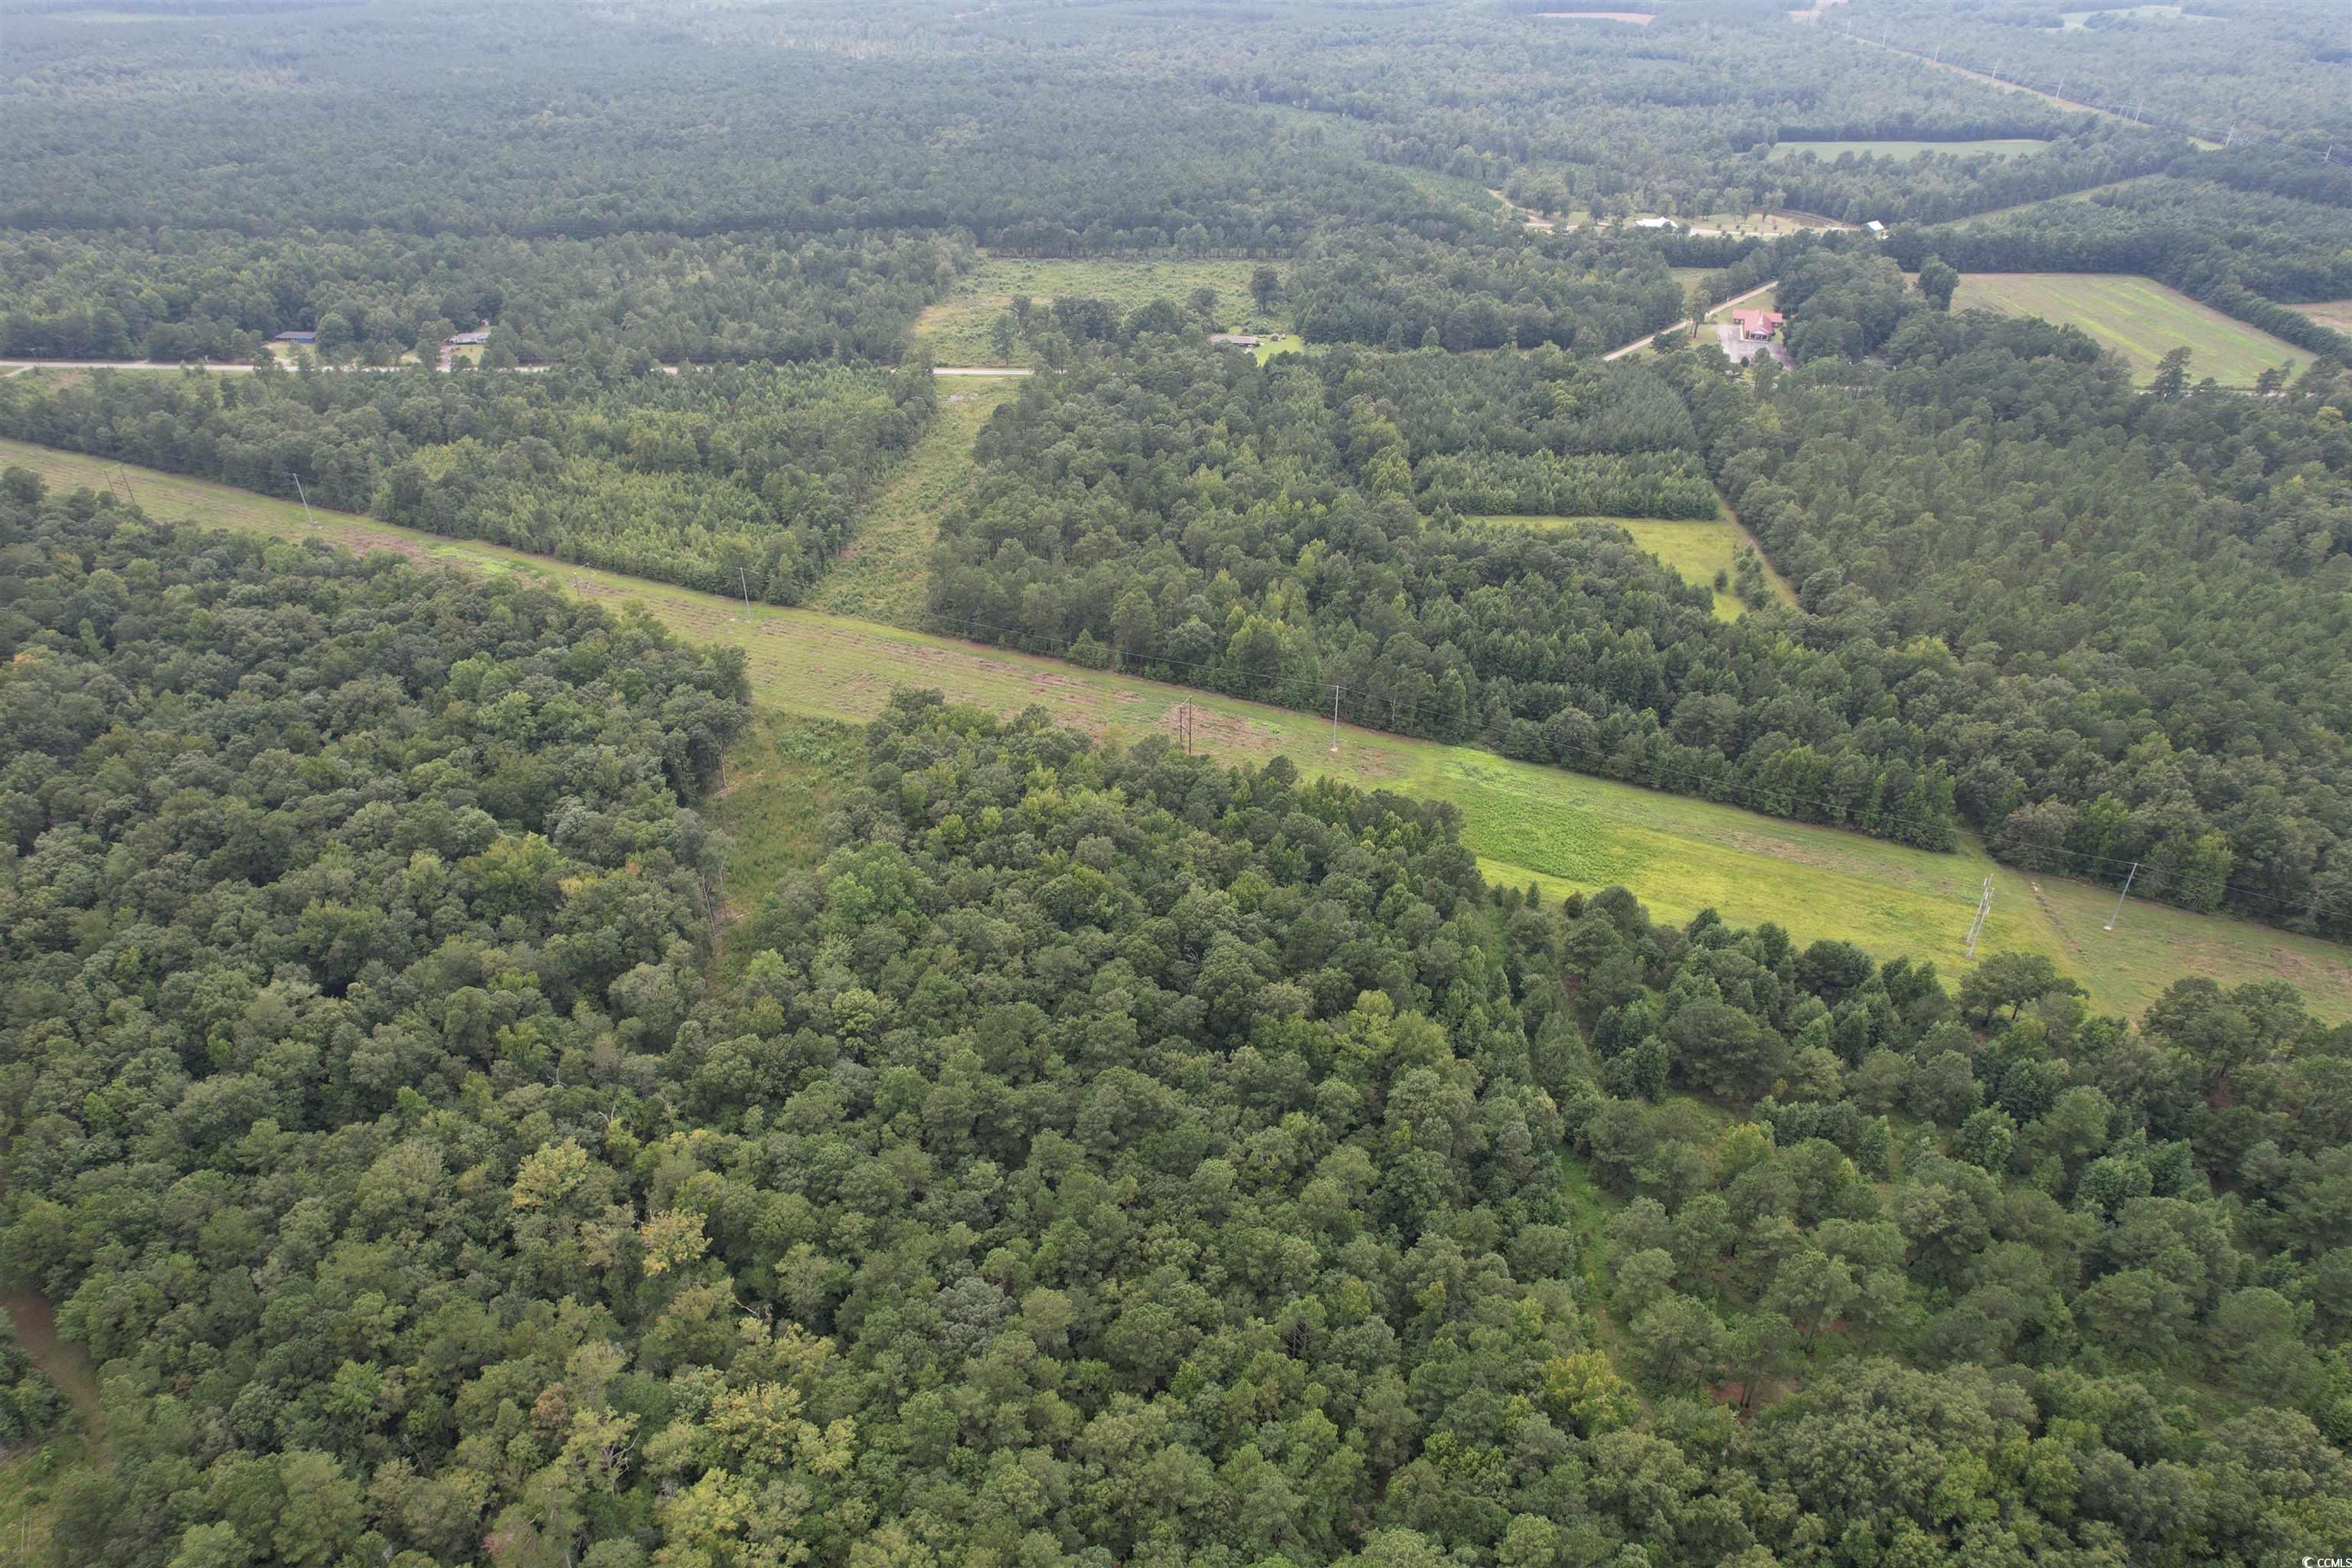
(1683, 324)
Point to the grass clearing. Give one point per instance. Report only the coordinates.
(784, 777)
(1280, 343)
(1766, 299)
(885, 573)
(2138, 318)
(1525, 822)
(2076, 21)
(1904, 151)
(1694, 552)
(2088, 192)
(959, 329)
(2334, 314)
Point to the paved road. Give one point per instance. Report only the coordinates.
(12, 366)
(1684, 323)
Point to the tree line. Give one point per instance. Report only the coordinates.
(2129, 608)
(1280, 531)
(736, 479)
(373, 296)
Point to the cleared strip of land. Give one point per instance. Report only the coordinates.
(1525, 822)
(1904, 151)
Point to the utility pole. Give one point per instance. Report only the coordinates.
(306, 499)
(1984, 908)
(743, 581)
(126, 484)
(2128, 876)
(1335, 718)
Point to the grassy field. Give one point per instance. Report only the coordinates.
(1767, 301)
(958, 328)
(1525, 822)
(2335, 314)
(2075, 21)
(1693, 552)
(2138, 318)
(1904, 151)
(784, 777)
(885, 574)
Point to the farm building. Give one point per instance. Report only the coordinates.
(1875, 226)
(1236, 340)
(1756, 326)
(295, 337)
(1655, 223)
(467, 339)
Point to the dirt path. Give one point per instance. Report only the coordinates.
(66, 1365)
(1684, 324)
(2051, 98)
(883, 574)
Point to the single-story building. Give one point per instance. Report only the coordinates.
(466, 340)
(1875, 226)
(295, 338)
(1237, 340)
(1756, 326)
(1655, 223)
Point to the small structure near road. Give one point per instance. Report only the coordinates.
(1758, 326)
(467, 339)
(1655, 223)
(295, 337)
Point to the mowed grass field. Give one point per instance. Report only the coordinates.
(1525, 822)
(957, 330)
(1904, 151)
(2138, 318)
(1694, 552)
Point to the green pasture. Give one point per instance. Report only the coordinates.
(2138, 318)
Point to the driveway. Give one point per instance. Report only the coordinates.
(1741, 350)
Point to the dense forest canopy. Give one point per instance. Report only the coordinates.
(1101, 1156)
(1045, 1150)
(731, 479)
(375, 296)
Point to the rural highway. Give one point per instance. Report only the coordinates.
(12, 366)
(1677, 326)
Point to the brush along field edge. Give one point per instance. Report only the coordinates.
(1525, 822)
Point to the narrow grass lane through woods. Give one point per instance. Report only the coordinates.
(1525, 822)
